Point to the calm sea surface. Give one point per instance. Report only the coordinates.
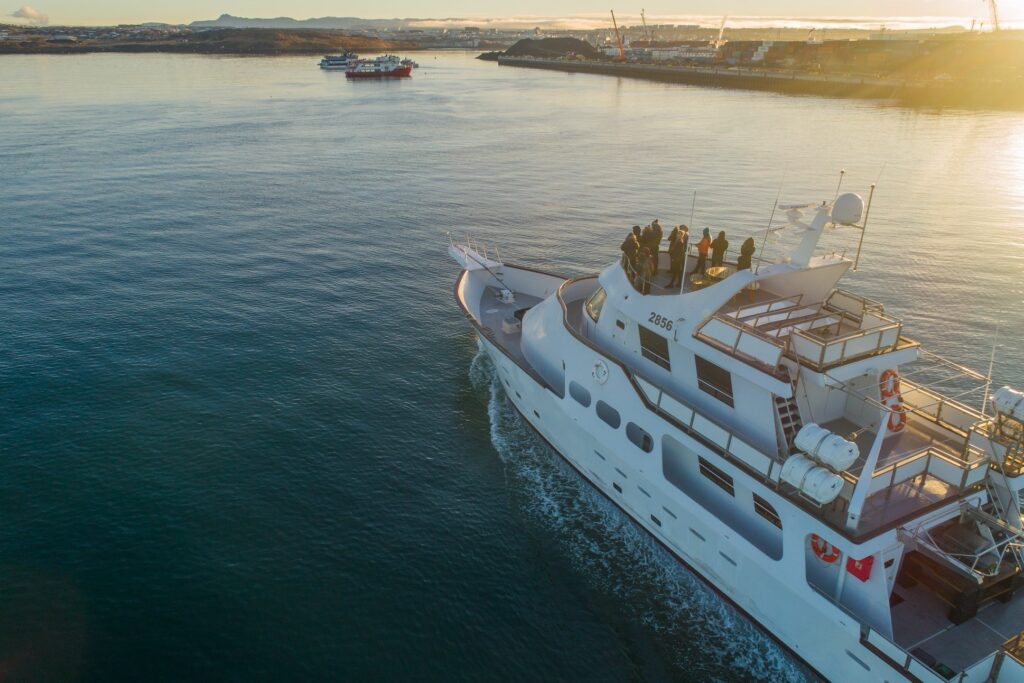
(244, 434)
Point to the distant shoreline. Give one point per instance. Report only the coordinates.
(974, 95)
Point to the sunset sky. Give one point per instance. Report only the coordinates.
(184, 11)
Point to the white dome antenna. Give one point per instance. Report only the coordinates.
(848, 209)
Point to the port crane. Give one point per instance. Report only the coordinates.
(647, 34)
(721, 32)
(993, 14)
(618, 40)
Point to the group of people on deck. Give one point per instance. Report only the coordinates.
(641, 248)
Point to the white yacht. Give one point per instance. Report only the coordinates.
(785, 440)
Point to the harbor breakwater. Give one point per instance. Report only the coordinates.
(971, 94)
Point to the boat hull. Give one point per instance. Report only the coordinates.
(400, 72)
(828, 645)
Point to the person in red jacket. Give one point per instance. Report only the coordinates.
(703, 247)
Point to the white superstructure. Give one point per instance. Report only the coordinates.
(786, 440)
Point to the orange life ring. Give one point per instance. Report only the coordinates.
(825, 551)
(889, 384)
(897, 418)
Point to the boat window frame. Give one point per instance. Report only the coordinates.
(595, 304)
(575, 388)
(716, 476)
(605, 418)
(714, 380)
(648, 335)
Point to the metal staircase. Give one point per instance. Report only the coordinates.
(789, 418)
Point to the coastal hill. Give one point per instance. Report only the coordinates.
(547, 48)
(342, 23)
(217, 41)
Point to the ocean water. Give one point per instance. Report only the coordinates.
(245, 433)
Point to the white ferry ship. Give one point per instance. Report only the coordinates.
(784, 439)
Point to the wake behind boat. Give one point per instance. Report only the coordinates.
(854, 494)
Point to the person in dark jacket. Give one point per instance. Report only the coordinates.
(718, 248)
(677, 254)
(656, 237)
(644, 271)
(747, 250)
(630, 248)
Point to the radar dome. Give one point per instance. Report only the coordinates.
(847, 209)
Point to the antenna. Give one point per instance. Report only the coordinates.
(768, 230)
(991, 365)
(864, 226)
(686, 253)
(842, 172)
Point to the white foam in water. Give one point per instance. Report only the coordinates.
(620, 559)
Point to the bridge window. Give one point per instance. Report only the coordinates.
(639, 437)
(608, 414)
(654, 347)
(581, 395)
(595, 303)
(714, 380)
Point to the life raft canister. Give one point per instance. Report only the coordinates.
(889, 387)
(825, 551)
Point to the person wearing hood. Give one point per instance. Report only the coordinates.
(703, 247)
(655, 246)
(747, 250)
(630, 248)
(718, 248)
(677, 254)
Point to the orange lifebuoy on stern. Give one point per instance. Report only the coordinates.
(825, 551)
(897, 418)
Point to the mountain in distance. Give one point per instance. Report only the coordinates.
(346, 23)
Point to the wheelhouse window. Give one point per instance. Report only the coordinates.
(654, 347)
(595, 303)
(717, 476)
(714, 380)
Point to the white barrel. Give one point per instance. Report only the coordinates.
(1009, 402)
(816, 482)
(829, 449)
(795, 469)
(822, 486)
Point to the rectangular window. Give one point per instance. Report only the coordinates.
(654, 347)
(714, 380)
(765, 509)
(720, 478)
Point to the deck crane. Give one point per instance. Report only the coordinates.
(993, 14)
(618, 40)
(647, 34)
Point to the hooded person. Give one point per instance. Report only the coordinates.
(718, 248)
(655, 246)
(630, 248)
(677, 254)
(747, 250)
(644, 271)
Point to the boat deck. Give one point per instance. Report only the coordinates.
(493, 310)
(921, 626)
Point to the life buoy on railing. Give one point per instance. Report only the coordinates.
(825, 551)
(889, 384)
(889, 387)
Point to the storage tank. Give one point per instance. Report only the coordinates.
(831, 450)
(1009, 402)
(813, 480)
